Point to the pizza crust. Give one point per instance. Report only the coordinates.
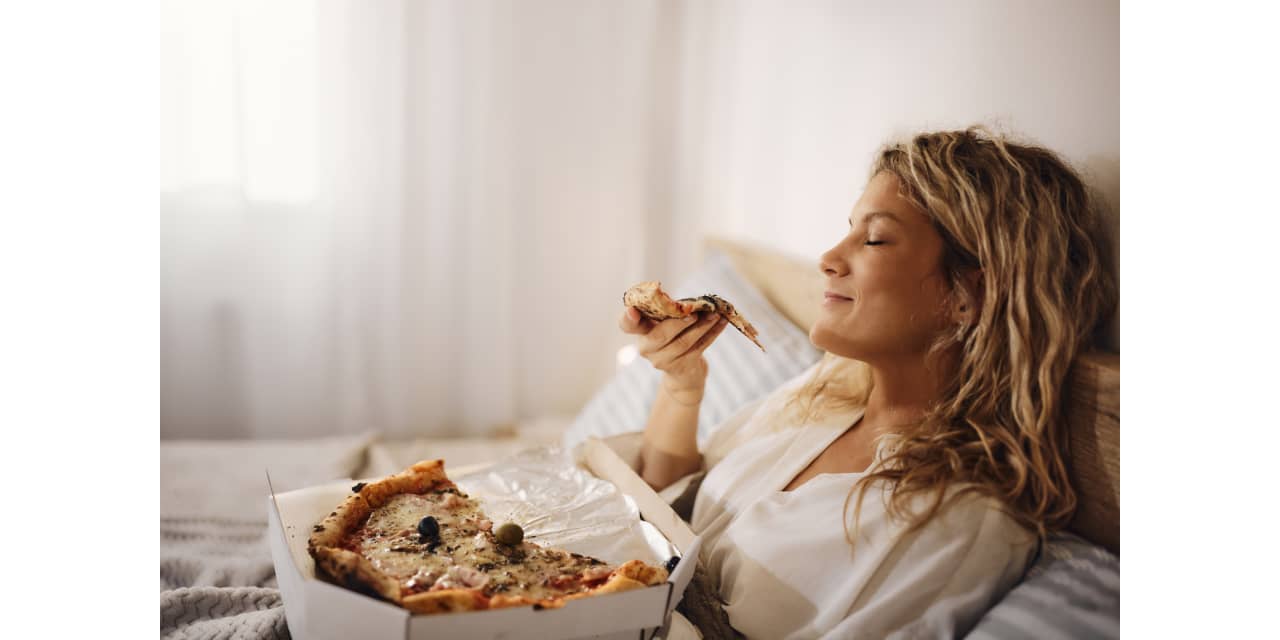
(631, 575)
(444, 601)
(346, 517)
(638, 571)
(419, 478)
(653, 302)
(501, 601)
(353, 571)
(615, 584)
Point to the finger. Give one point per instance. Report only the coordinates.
(633, 322)
(628, 322)
(707, 338)
(676, 348)
(683, 342)
(665, 331)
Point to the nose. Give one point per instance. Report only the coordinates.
(832, 263)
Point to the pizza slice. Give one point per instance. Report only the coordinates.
(654, 303)
(416, 540)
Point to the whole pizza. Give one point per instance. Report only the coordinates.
(416, 540)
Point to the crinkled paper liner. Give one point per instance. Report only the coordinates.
(561, 505)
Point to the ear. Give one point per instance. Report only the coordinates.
(968, 307)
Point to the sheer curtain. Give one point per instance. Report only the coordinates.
(385, 215)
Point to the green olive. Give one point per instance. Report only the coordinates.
(509, 533)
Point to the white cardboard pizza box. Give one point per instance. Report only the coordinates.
(318, 609)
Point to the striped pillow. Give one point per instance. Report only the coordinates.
(738, 371)
(1071, 591)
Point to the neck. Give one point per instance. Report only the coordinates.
(901, 394)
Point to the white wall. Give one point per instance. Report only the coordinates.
(783, 104)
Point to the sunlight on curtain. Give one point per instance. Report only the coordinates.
(386, 216)
(240, 102)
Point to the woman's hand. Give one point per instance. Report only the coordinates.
(675, 347)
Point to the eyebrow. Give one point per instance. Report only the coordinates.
(878, 214)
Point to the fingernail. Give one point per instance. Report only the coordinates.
(690, 318)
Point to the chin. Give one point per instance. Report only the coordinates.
(841, 344)
(826, 340)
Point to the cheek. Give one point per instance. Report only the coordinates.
(889, 314)
(836, 323)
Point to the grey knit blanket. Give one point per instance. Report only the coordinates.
(216, 575)
(217, 581)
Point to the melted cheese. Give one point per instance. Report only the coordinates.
(467, 554)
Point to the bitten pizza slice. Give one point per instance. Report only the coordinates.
(654, 303)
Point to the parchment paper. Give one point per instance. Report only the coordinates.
(559, 504)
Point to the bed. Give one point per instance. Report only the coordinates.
(216, 577)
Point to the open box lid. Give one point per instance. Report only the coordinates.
(315, 608)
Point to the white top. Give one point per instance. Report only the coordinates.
(786, 569)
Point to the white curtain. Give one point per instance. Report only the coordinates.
(402, 215)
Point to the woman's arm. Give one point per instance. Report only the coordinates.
(670, 448)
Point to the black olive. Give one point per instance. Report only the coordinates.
(428, 528)
(509, 533)
(671, 563)
(357, 488)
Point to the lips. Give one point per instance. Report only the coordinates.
(831, 295)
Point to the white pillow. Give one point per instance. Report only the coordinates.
(738, 371)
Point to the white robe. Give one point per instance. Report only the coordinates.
(785, 568)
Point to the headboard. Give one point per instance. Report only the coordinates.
(795, 286)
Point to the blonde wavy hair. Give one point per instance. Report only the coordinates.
(1024, 218)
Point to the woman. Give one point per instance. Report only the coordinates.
(899, 488)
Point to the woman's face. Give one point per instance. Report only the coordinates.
(886, 295)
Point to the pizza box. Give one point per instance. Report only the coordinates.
(317, 609)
